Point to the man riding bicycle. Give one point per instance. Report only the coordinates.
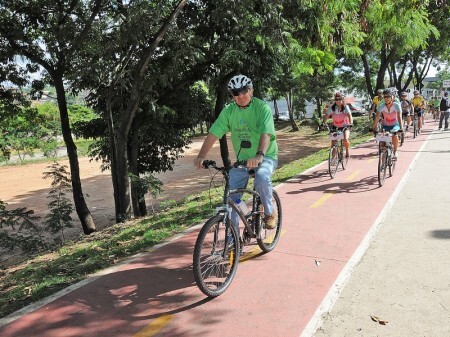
(392, 118)
(249, 119)
(419, 106)
(342, 117)
(407, 109)
(375, 103)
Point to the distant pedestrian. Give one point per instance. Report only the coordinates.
(445, 111)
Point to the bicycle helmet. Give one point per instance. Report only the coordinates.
(404, 93)
(416, 92)
(239, 82)
(387, 92)
(379, 91)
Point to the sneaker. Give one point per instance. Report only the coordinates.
(271, 220)
(395, 156)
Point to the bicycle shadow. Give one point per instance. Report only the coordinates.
(337, 187)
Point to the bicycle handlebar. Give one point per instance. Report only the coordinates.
(211, 163)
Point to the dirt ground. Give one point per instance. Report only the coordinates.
(24, 186)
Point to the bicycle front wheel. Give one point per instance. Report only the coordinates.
(342, 157)
(392, 162)
(216, 257)
(333, 161)
(268, 238)
(382, 163)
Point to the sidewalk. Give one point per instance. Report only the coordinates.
(404, 277)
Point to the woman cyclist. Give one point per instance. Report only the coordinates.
(392, 118)
(342, 118)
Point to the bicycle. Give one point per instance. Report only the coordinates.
(416, 129)
(336, 154)
(219, 245)
(385, 156)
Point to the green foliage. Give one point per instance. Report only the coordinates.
(60, 206)
(19, 230)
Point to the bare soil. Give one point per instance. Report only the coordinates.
(24, 186)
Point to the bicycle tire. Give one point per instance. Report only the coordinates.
(402, 138)
(392, 162)
(268, 238)
(415, 129)
(213, 269)
(382, 163)
(342, 157)
(333, 161)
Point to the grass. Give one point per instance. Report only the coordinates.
(46, 274)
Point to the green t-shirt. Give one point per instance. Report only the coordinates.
(247, 124)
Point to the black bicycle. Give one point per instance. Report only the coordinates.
(219, 243)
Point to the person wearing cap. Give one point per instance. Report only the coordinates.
(445, 111)
(248, 119)
(375, 103)
(342, 119)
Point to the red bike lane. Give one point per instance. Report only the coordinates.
(327, 223)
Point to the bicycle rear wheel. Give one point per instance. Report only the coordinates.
(268, 238)
(333, 161)
(215, 259)
(382, 163)
(402, 137)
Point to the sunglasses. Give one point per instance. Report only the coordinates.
(237, 92)
(338, 99)
(387, 96)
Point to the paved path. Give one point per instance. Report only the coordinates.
(328, 226)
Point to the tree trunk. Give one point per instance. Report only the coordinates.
(221, 95)
(80, 204)
(275, 107)
(137, 200)
(291, 111)
(367, 76)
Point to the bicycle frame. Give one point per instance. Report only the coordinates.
(228, 204)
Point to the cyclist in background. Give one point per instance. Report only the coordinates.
(407, 109)
(392, 118)
(375, 103)
(249, 119)
(419, 103)
(342, 118)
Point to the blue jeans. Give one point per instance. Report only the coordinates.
(263, 185)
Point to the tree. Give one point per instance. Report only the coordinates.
(49, 34)
(122, 53)
(394, 29)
